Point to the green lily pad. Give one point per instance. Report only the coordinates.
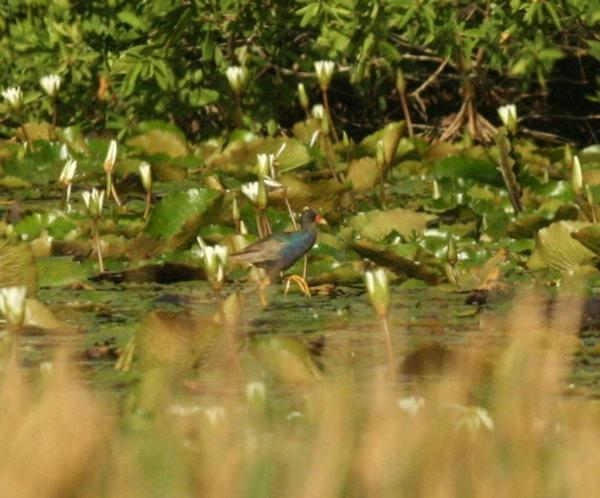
(589, 237)
(60, 271)
(240, 156)
(177, 218)
(157, 141)
(286, 358)
(363, 173)
(556, 248)
(376, 225)
(468, 168)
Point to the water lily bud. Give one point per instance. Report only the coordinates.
(324, 71)
(576, 176)
(379, 290)
(235, 211)
(14, 97)
(12, 304)
(210, 260)
(146, 176)
(303, 97)
(50, 84)
(437, 194)
(345, 139)
(509, 118)
(451, 253)
(261, 196)
(68, 172)
(265, 164)
(568, 158)
(93, 200)
(589, 195)
(111, 156)
(236, 76)
(400, 82)
(63, 154)
(243, 228)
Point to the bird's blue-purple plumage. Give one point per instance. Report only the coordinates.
(280, 251)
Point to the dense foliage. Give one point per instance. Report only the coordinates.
(123, 61)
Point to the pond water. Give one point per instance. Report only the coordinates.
(335, 334)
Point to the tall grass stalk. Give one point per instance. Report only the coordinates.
(495, 424)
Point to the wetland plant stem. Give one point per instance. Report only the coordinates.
(148, 204)
(329, 117)
(385, 325)
(97, 243)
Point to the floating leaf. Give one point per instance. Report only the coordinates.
(468, 168)
(589, 237)
(60, 271)
(556, 248)
(158, 141)
(363, 173)
(240, 156)
(177, 218)
(376, 225)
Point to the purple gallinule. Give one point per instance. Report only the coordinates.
(279, 251)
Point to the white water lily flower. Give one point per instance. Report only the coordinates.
(236, 76)
(111, 156)
(509, 118)
(214, 259)
(474, 418)
(250, 190)
(324, 71)
(146, 175)
(256, 391)
(222, 253)
(63, 154)
(14, 97)
(68, 172)
(379, 290)
(411, 404)
(93, 200)
(50, 84)
(318, 111)
(214, 414)
(12, 304)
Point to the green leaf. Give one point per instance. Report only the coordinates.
(177, 218)
(468, 168)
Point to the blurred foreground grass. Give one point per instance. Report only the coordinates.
(515, 433)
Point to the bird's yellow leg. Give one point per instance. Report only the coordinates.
(301, 283)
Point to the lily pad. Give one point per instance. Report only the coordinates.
(60, 271)
(363, 173)
(376, 225)
(468, 168)
(589, 237)
(177, 218)
(157, 141)
(240, 156)
(556, 248)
